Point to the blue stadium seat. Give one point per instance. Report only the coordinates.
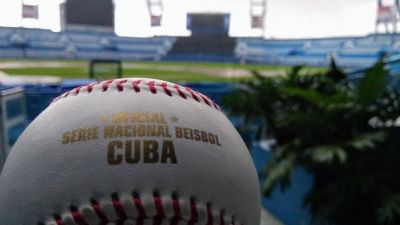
(48, 53)
(328, 43)
(361, 52)
(82, 38)
(304, 60)
(355, 62)
(319, 52)
(100, 54)
(85, 43)
(46, 45)
(88, 46)
(349, 51)
(11, 53)
(6, 32)
(5, 43)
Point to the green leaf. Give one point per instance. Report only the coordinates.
(327, 154)
(389, 210)
(293, 75)
(368, 140)
(372, 85)
(315, 97)
(278, 169)
(320, 122)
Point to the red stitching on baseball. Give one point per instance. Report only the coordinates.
(180, 92)
(58, 220)
(119, 209)
(193, 212)
(136, 85)
(152, 85)
(90, 86)
(99, 211)
(194, 96)
(164, 85)
(78, 217)
(210, 218)
(77, 90)
(159, 207)
(205, 99)
(139, 206)
(106, 84)
(221, 217)
(67, 93)
(177, 210)
(217, 106)
(157, 219)
(120, 85)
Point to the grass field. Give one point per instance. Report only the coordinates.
(170, 71)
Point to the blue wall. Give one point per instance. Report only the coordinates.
(286, 205)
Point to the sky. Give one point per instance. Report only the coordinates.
(284, 18)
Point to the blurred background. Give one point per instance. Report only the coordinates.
(310, 84)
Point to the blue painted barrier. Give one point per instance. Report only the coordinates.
(285, 205)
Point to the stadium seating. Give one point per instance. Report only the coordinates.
(203, 47)
(10, 52)
(79, 43)
(351, 52)
(392, 64)
(85, 43)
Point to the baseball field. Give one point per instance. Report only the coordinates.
(170, 71)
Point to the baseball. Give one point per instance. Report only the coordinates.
(130, 151)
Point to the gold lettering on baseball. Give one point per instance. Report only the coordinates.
(151, 130)
(136, 151)
(138, 117)
(141, 137)
(197, 135)
(79, 135)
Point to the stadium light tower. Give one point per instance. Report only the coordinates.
(155, 8)
(257, 14)
(388, 15)
(30, 13)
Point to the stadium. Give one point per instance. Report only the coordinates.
(217, 47)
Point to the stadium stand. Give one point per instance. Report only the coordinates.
(79, 43)
(209, 40)
(85, 43)
(348, 52)
(392, 64)
(203, 48)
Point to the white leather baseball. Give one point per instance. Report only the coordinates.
(130, 151)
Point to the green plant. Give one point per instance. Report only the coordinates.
(344, 133)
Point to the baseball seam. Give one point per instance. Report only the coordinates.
(143, 210)
(138, 85)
